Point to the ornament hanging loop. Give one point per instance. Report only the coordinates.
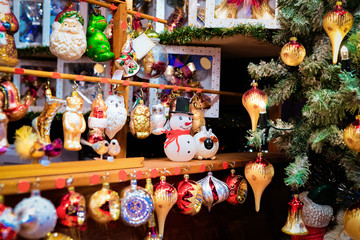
(2, 186)
(232, 164)
(187, 168)
(100, 88)
(210, 168)
(36, 184)
(69, 181)
(165, 171)
(133, 175)
(76, 86)
(106, 177)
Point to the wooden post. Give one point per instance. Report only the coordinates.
(119, 39)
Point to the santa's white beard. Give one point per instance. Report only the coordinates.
(67, 46)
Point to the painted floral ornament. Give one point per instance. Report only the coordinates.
(165, 197)
(136, 205)
(72, 209)
(214, 190)
(9, 225)
(352, 135)
(98, 46)
(207, 144)
(337, 23)
(189, 196)
(251, 101)
(104, 205)
(238, 188)
(259, 174)
(293, 53)
(37, 216)
(158, 119)
(116, 114)
(140, 125)
(68, 40)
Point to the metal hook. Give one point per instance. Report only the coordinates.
(212, 166)
(106, 176)
(36, 184)
(165, 171)
(232, 164)
(100, 88)
(69, 181)
(133, 175)
(142, 93)
(76, 86)
(187, 168)
(2, 185)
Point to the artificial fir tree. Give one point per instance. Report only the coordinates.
(329, 95)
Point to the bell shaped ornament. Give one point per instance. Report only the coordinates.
(136, 205)
(165, 197)
(189, 196)
(252, 99)
(238, 188)
(104, 205)
(37, 216)
(294, 224)
(259, 174)
(214, 190)
(72, 209)
(337, 23)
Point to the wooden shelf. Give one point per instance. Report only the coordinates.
(240, 46)
(85, 173)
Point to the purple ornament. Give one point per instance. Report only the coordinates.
(3, 150)
(54, 149)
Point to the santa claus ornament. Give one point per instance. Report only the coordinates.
(97, 121)
(37, 216)
(179, 144)
(68, 40)
(8, 27)
(116, 114)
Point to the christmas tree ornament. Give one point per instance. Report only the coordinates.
(351, 221)
(352, 135)
(259, 174)
(114, 148)
(68, 40)
(28, 145)
(100, 147)
(176, 19)
(337, 23)
(165, 197)
(214, 190)
(57, 236)
(251, 101)
(72, 209)
(36, 215)
(158, 118)
(10, 100)
(104, 205)
(228, 9)
(179, 144)
(54, 149)
(260, 10)
(73, 122)
(3, 131)
(155, 62)
(238, 188)
(140, 125)
(152, 232)
(98, 46)
(116, 114)
(293, 53)
(9, 225)
(136, 205)
(8, 27)
(189, 196)
(207, 144)
(97, 121)
(127, 59)
(196, 108)
(42, 123)
(294, 224)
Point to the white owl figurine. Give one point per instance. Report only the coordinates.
(157, 119)
(116, 114)
(207, 144)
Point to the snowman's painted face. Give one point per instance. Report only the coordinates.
(181, 121)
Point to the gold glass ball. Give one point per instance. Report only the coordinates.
(293, 53)
(352, 135)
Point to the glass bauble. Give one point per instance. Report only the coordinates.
(351, 221)
(352, 135)
(189, 196)
(293, 53)
(238, 188)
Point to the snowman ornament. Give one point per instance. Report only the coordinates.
(180, 145)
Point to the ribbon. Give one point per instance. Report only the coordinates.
(173, 135)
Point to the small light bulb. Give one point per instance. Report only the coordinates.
(262, 107)
(344, 52)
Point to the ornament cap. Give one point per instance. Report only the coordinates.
(293, 39)
(338, 3)
(71, 189)
(232, 171)
(74, 94)
(357, 117)
(186, 176)
(254, 84)
(162, 178)
(106, 185)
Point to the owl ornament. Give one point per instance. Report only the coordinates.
(136, 205)
(140, 125)
(214, 190)
(37, 216)
(116, 114)
(104, 205)
(207, 144)
(158, 119)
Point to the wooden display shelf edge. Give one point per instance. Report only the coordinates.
(83, 171)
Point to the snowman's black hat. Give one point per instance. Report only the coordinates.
(182, 105)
